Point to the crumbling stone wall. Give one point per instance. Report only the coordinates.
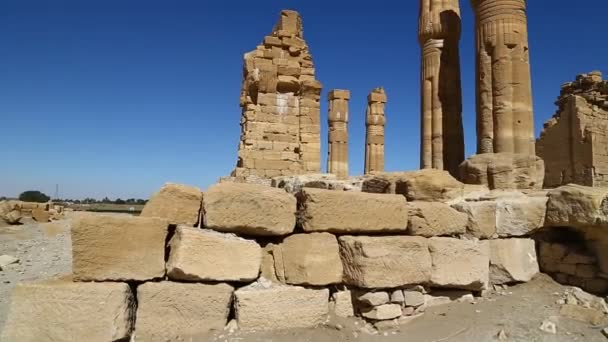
(280, 124)
(574, 142)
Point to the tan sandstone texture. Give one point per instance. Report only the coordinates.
(281, 118)
(577, 206)
(435, 219)
(249, 209)
(65, 311)
(385, 261)
(481, 218)
(168, 311)
(520, 215)
(504, 171)
(442, 138)
(111, 247)
(178, 204)
(573, 142)
(512, 260)
(429, 185)
(206, 255)
(375, 120)
(460, 264)
(351, 212)
(308, 259)
(505, 120)
(337, 155)
(264, 307)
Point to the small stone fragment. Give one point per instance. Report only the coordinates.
(548, 327)
(383, 312)
(374, 298)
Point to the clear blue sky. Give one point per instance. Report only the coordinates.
(115, 97)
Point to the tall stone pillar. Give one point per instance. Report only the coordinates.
(442, 139)
(374, 131)
(337, 159)
(504, 93)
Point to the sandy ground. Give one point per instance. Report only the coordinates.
(44, 251)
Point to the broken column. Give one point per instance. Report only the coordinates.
(374, 131)
(337, 159)
(504, 93)
(442, 142)
(280, 124)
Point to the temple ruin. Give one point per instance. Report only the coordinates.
(504, 93)
(442, 139)
(337, 153)
(374, 131)
(281, 119)
(574, 142)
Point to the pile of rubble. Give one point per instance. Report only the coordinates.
(12, 211)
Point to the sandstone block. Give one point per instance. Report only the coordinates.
(351, 212)
(520, 216)
(413, 298)
(310, 259)
(374, 298)
(385, 262)
(512, 260)
(397, 297)
(66, 311)
(429, 185)
(583, 314)
(504, 171)
(119, 248)
(41, 215)
(176, 203)
(249, 209)
(435, 219)
(577, 206)
(262, 307)
(206, 255)
(343, 304)
(383, 312)
(481, 218)
(459, 264)
(168, 311)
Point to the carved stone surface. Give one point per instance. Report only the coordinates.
(337, 155)
(374, 131)
(574, 142)
(442, 145)
(504, 94)
(280, 124)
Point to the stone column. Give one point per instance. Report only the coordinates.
(504, 93)
(442, 139)
(337, 159)
(374, 131)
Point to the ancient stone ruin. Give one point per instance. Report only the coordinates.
(337, 154)
(281, 120)
(574, 144)
(374, 131)
(442, 138)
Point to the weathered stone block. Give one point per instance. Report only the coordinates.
(66, 311)
(119, 248)
(512, 260)
(168, 311)
(249, 209)
(309, 259)
(429, 185)
(504, 171)
(374, 298)
(262, 307)
(520, 216)
(385, 262)
(351, 212)
(460, 264)
(206, 255)
(435, 219)
(41, 215)
(343, 304)
(178, 204)
(481, 218)
(577, 206)
(383, 312)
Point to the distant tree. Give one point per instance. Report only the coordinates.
(131, 201)
(119, 201)
(106, 200)
(34, 196)
(142, 201)
(2, 198)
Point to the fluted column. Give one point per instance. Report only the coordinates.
(337, 158)
(442, 139)
(374, 131)
(504, 93)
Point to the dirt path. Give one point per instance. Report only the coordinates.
(44, 251)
